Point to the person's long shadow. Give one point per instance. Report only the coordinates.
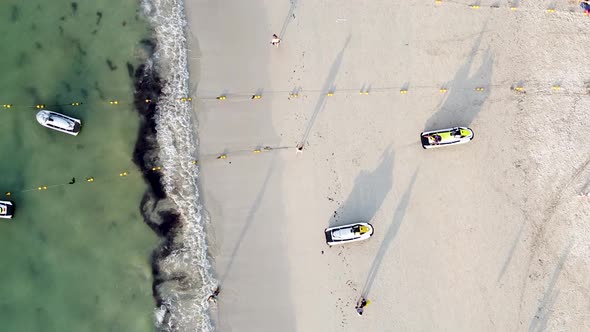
(539, 320)
(463, 104)
(394, 227)
(328, 85)
(248, 223)
(290, 17)
(368, 193)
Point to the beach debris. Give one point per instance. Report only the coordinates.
(275, 41)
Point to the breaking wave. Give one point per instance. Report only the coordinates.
(182, 271)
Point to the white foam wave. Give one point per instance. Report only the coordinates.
(188, 311)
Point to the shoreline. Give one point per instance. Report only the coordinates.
(171, 208)
(243, 194)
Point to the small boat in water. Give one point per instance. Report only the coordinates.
(59, 122)
(6, 209)
(348, 233)
(446, 137)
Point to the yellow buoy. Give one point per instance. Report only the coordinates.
(8, 193)
(90, 179)
(114, 102)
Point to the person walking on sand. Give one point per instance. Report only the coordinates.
(360, 306)
(213, 297)
(586, 6)
(275, 40)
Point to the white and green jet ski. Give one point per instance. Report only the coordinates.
(445, 137)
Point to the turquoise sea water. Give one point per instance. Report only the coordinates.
(76, 256)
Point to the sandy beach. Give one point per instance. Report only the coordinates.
(486, 236)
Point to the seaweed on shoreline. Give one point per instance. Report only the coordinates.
(156, 209)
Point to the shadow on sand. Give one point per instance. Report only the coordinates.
(328, 85)
(539, 321)
(290, 17)
(462, 103)
(368, 193)
(398, 217)
(249, 221)
(510, 253)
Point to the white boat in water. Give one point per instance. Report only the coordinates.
(348, 233)
(6, 209)
(59, 122)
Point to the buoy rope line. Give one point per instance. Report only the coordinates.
(156, 168)
(538, 88)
